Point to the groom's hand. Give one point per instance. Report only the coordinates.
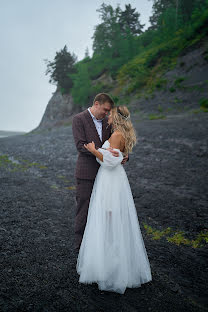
(125, 159)
(114, 153)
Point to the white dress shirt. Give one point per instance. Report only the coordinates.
(98, 124)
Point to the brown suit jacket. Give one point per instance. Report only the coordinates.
(84, 131)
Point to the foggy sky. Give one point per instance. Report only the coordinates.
(31, 31)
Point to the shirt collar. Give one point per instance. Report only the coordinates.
(94, 116)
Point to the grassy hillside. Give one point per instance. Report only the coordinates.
(155, 52)
(145, 71)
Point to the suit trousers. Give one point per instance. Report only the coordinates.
(83, 193)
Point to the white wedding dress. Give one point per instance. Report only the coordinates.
(112, 253)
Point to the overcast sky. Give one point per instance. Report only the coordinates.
(32, 31)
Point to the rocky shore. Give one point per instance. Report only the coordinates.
(168, 175)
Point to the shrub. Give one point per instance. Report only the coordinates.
(178, 81)
(172, 89)
(203, 102)
(160, 108)
(152, 117)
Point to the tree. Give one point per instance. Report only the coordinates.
(81, 84)
(86, 52)
(115, 37)
(129, 21)
(166, 24)
(108, 31)
(183, 11)
(159, 7)
(186, 8)
(60, 68)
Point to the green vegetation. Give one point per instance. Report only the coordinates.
(63, 178)
(67, 123)
(176, 99)
(199, 110)
(135, 59)
(160, 108)
(156, 234)
(152, 116)
(178, 237)
(81, 84)
(172, 89)
(60, 68)
(15, 165)
(178, 81)
(160, 83)
(71, 187)
(203, 103)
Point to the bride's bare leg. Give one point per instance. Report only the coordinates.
(109, 226)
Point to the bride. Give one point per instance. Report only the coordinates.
(112, 253)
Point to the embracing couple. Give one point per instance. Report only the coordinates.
(108, 239)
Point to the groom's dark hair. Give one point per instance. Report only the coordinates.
(102, 98)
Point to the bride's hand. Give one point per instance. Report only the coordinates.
(90, 147)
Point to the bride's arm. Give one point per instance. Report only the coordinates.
(115, 142)
(91, 148)
(104, 156)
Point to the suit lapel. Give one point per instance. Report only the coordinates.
(92, 125)
(105, 127)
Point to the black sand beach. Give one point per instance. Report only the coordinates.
(168, 175)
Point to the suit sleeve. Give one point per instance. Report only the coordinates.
(79, 136)
(109, 161)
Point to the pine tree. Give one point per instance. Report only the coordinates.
(86, 52)
(60, 68)
(129, 21)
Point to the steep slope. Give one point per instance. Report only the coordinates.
(184, 87)
(57, 112)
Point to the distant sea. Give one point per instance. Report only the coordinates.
(4, 133)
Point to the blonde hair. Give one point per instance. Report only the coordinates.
(121, 121)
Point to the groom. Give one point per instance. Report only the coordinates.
(87, 126)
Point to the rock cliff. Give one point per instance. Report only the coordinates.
(58, 111)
